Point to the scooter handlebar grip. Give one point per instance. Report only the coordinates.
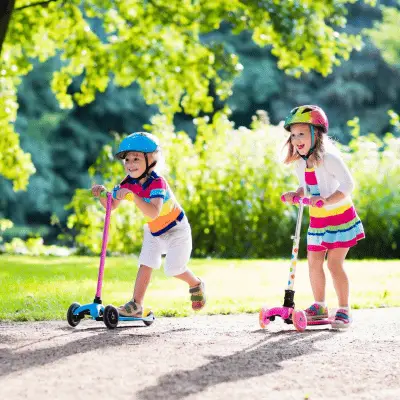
(128, 196)
(306, 201)
(296, 199)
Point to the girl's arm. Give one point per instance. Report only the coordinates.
(334, 197)
(335, 166)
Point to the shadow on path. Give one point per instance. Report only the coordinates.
(13, 359)
(259, 359)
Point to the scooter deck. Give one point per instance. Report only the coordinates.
(326, 321)
(147, 319)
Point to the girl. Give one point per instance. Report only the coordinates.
(335, 227)
(167, 230)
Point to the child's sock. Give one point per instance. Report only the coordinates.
(347, 308)
(321, 303)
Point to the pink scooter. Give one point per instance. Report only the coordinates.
(288, 312)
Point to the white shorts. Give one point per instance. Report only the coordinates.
(176, 243)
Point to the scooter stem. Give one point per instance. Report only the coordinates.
(97, 299)
(295, 248)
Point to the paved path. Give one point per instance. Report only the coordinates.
(203, 357)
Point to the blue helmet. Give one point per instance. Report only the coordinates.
(142, 142)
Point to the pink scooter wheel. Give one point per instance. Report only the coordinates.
(299, 320)
(262, 317)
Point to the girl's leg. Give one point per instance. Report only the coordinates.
(317, 274)
(142, 282)
(336, 259)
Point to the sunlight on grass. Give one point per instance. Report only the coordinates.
(42, 288)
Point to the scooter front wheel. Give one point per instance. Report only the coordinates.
(262, 317)
(72, 319)
(299, 320)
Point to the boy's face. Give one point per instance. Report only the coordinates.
(135, 164)
(300, 136)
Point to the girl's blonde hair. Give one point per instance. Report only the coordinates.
(316, 156)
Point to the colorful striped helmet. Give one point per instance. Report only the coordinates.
(308, 114)
(142, 142)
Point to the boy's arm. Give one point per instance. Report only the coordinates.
(151, 209)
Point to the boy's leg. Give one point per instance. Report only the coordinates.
(189, 278)
(197, 289)
(150, 255)
(142, 282)
(179, 248)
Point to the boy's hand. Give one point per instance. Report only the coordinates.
(121, 193)
(97, 189)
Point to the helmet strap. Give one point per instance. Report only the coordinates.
(307, 156)
(148, 167)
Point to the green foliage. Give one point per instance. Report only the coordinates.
(385, 35)
(34, 246)
(157, 45)
(375, 164)
(4, 225)
(365, 85)
(229, 182)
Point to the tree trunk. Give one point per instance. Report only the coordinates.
(6, 9)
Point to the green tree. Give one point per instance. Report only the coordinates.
(157, 45)
(365, 85)
(385, 35)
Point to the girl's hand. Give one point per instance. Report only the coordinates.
(315, 199)
(121, 193)
(97, 189)
(289, 196)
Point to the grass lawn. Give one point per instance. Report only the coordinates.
(42, 288)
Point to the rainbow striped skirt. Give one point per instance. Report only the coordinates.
(331, 227)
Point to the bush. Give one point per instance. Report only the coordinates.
(229, 182)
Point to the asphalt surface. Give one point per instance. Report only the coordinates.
(202, 357)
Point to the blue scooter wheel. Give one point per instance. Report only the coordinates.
(110, 317)
(149, 322)
(72, 319)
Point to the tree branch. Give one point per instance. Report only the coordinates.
(5, 13)
(40, 3)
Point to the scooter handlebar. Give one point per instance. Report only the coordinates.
(303, 200)
(128, 196)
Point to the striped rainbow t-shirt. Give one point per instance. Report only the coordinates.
(157, 187)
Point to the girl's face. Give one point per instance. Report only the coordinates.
(135, 164)
(300, 137)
